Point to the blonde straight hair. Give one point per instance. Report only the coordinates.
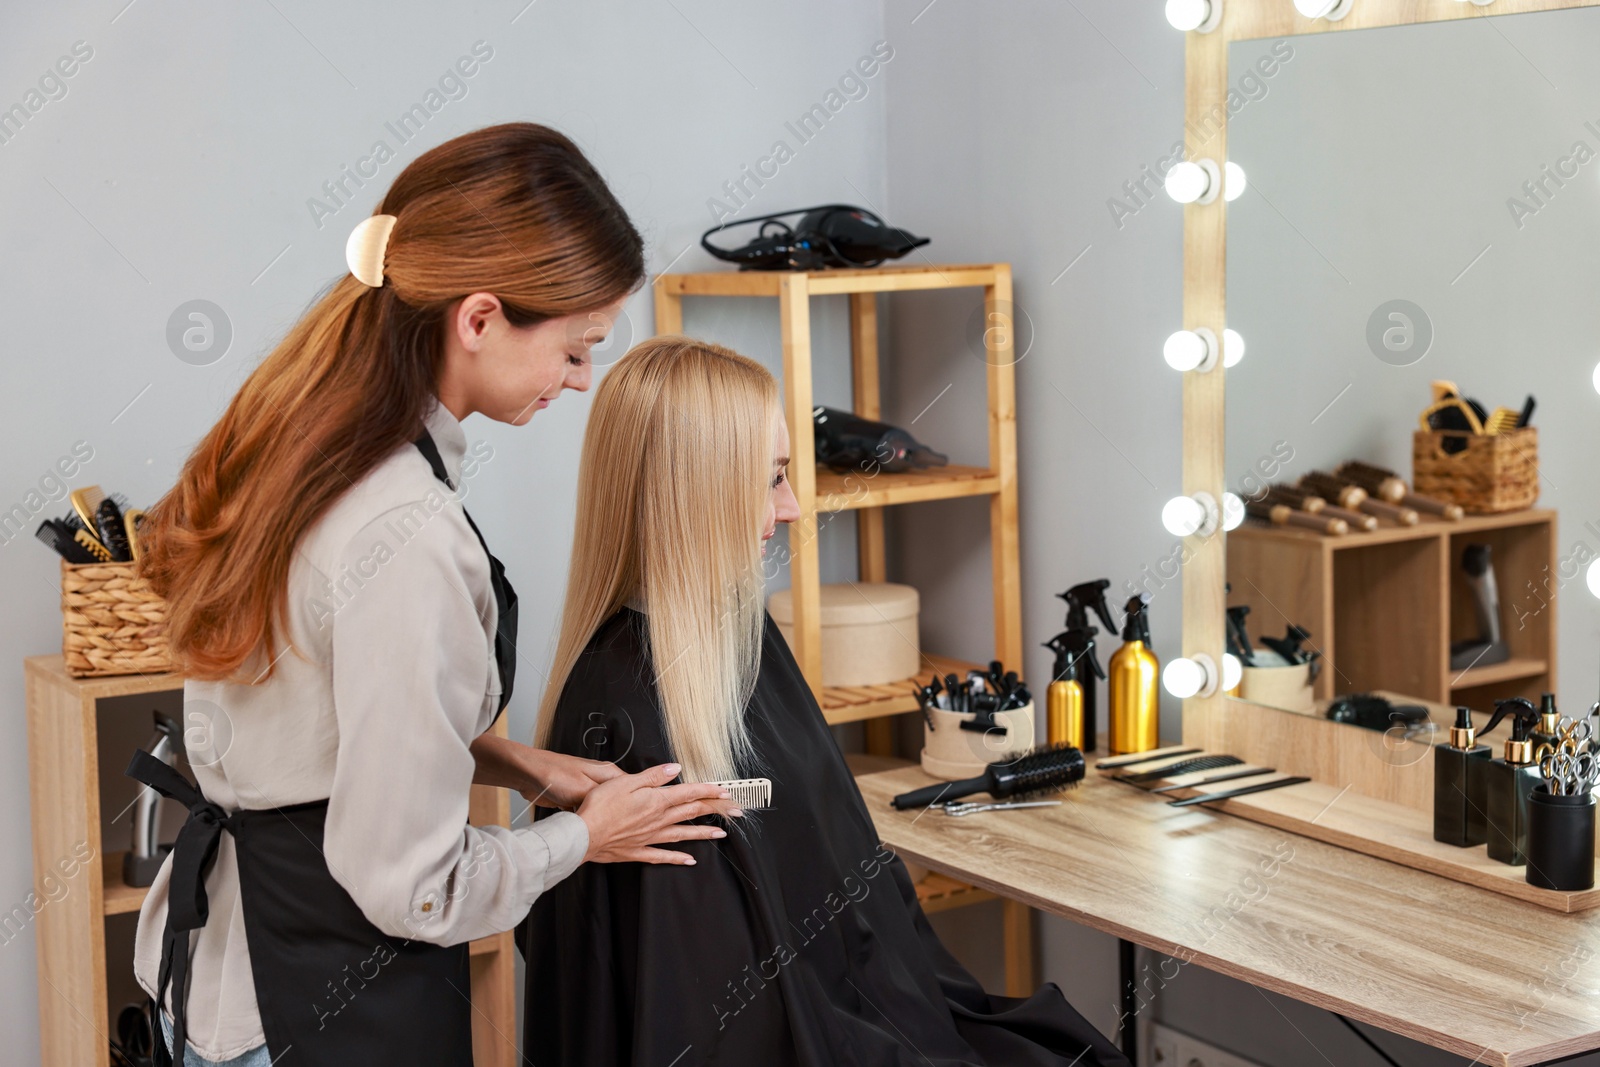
(672, 492)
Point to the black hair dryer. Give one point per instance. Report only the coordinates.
(1487, 648)
(145, 855)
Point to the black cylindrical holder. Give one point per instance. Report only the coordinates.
(1560, 840)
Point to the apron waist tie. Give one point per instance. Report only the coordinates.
(187, 905)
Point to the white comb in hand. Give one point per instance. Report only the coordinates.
(749, 793)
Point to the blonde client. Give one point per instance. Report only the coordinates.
(798, 938)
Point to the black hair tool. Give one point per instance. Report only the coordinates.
(847, 442)
(1372, 712)
(1239, 636)
(1082, 599)
(831, 235)
(58, 536)
(113, 532)
(1289, 645)
(925, 699)
(1044, 770)
(1477, 565)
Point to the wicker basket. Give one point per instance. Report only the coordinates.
(1494, 473)
(112, 623)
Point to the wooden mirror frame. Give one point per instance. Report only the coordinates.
(1205, 243)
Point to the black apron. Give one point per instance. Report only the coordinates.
(331, 987)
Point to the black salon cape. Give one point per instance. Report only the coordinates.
(796, 940)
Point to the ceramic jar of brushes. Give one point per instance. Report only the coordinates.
(949, 752)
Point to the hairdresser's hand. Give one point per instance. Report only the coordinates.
(562, 781)
(633, 812)
(548, 779)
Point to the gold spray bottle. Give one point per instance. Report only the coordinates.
(1135, 701)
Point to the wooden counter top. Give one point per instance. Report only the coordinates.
(1444, 963)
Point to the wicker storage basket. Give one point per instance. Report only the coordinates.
(112, 623)
(1494, 473)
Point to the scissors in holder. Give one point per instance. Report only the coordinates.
(1569, 774)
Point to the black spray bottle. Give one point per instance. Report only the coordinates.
(1460, 805)
(1510, 781)
(1081, 599)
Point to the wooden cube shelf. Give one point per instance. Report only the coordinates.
(64, 757)
(1383, 606)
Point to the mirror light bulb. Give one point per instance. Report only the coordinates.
(1183, 516)
(1186, 350)
(1187, 15)
(1187, 182)
(1183, 678)
(1188, 676)
(1202, 15)
(1332, 10)
(1233, 351)
(1232, 670)
(1234, 181)
(1232, 517)
(1596, 378)
(1593, 577)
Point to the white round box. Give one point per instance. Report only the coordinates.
(869, 631)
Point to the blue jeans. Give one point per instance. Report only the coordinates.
(256, 1057)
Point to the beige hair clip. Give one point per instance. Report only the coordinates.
(363, 252)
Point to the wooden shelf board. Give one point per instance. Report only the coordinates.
(1387, 533)
(1512, 669)
(849, 491)
(120, 897)
(831, 282)
(854, 703)
(1390, 832)
(937, 892)
(53, 670)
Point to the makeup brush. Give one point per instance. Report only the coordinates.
(1283, 515)
(1309, 502)
(1349, 495)
(1387, 485)
(1047, 769)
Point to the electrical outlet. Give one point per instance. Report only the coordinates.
(1165, 1047)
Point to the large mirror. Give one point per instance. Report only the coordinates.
(1423, 205)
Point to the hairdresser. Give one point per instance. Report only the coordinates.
(348, 640)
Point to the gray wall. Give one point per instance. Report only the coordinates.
(179, 163)
(1010, 132)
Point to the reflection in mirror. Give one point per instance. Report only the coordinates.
(1421, 233)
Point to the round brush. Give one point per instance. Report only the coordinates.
(1348, 495)
(1389, 486)
(1295, 497)
(1284, 515)
(1047, 769)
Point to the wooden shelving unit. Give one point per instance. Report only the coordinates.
(64, 765)
(1384, 606)
(820, 491)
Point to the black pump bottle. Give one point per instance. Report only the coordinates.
(1460, 806)
(1509, 781)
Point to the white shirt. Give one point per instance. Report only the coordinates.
(391, 677)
